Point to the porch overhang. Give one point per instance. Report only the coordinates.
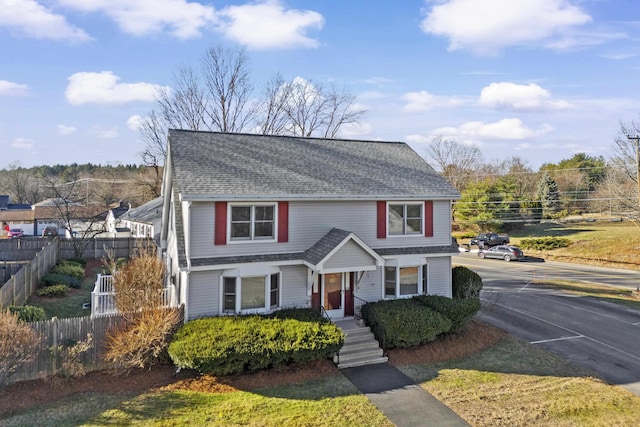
(341, 251)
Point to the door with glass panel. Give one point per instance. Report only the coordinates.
(332, 295)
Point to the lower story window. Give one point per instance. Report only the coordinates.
(402, 281)
(254, 293)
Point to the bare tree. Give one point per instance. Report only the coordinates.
(21, 185)
(220, 98)
(80, 222)
(457, 162)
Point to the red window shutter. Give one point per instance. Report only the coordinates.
(220, 232)
(428, 218)
(283, 222)
(382, 220)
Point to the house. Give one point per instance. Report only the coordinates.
(144, 221)
(254, 223)
(17, 215)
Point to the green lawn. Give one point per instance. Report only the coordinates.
(330, 401)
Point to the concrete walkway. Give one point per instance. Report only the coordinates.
(402, 401)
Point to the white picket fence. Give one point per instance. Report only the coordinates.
(103, 301)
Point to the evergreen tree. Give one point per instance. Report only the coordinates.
(549, 197)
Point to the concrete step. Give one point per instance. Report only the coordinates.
(361, 361)
(360, 346)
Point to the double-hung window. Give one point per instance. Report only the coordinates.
(250, 293)
(401, 281)
(253, 222)
(405, 218)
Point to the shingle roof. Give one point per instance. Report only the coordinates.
(147, 213)
(325, 245)
(212, 164)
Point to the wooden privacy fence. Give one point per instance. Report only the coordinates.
(57, 335)
(17, 289)
(24, 283)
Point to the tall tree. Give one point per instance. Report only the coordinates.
(219, 97)
(457, 162)
(548, 196)
(626, 163)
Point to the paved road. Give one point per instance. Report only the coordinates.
(599, 335)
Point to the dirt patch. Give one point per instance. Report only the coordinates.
(30, 394)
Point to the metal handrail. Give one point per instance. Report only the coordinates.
(324, 313)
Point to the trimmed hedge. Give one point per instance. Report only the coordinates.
(52, 279)
(53, 291)
(28, 313)
(231, 345)
(459, 311)
(80, 261)
(466, 283)
(301, 314)
(405, 322)
(544, 243)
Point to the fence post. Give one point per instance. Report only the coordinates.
(54, 344)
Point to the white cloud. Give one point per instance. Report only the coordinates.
(66, 130)
(103, 88)
(8, 88)
(134, 122)
(356, 130)
(180, 18)
(511, 96)
(487, 26)
(30, 19)
(100, 132)
(507, 129)
(422, 101)
(22, 144)
(268, 25)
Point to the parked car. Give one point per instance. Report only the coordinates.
(487, 240)
(50, 232)
(505, 252)
(15, 233)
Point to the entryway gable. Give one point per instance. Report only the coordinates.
(341, 250)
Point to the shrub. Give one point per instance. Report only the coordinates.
(70, 269)
(404, 322)
(301, 314)
(544, 243)
(230, 345)
(79, 261)
(18, 344)
(70, 357)
(142, 339)
(466, 283)
(28, 313)
(52, 279)
(53, 291)
(459, 311)
(139, 284)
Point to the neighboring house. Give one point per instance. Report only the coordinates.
(144, 221)
(255, 223)
(82, 219)
(113, 220)
(17, 215)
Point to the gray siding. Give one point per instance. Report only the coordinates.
(309, 222)
(370, 288)
(204, 294)
(349, 255)
(294, 286)
(440, 276)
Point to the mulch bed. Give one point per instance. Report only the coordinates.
(29, 394)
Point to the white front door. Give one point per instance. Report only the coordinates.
(333, 295)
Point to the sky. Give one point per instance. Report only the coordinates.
(540, 80)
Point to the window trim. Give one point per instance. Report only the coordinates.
(421, 269)
(266, 308)
(404, 232)
(252, 223)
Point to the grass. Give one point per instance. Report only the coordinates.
(517, 384)
(615, 244)
(69, 305)
(328, 401)
(612, 294)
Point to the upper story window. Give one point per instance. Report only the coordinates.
(405, 218)
(253, 222)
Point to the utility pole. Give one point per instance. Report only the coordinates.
(636, 139)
